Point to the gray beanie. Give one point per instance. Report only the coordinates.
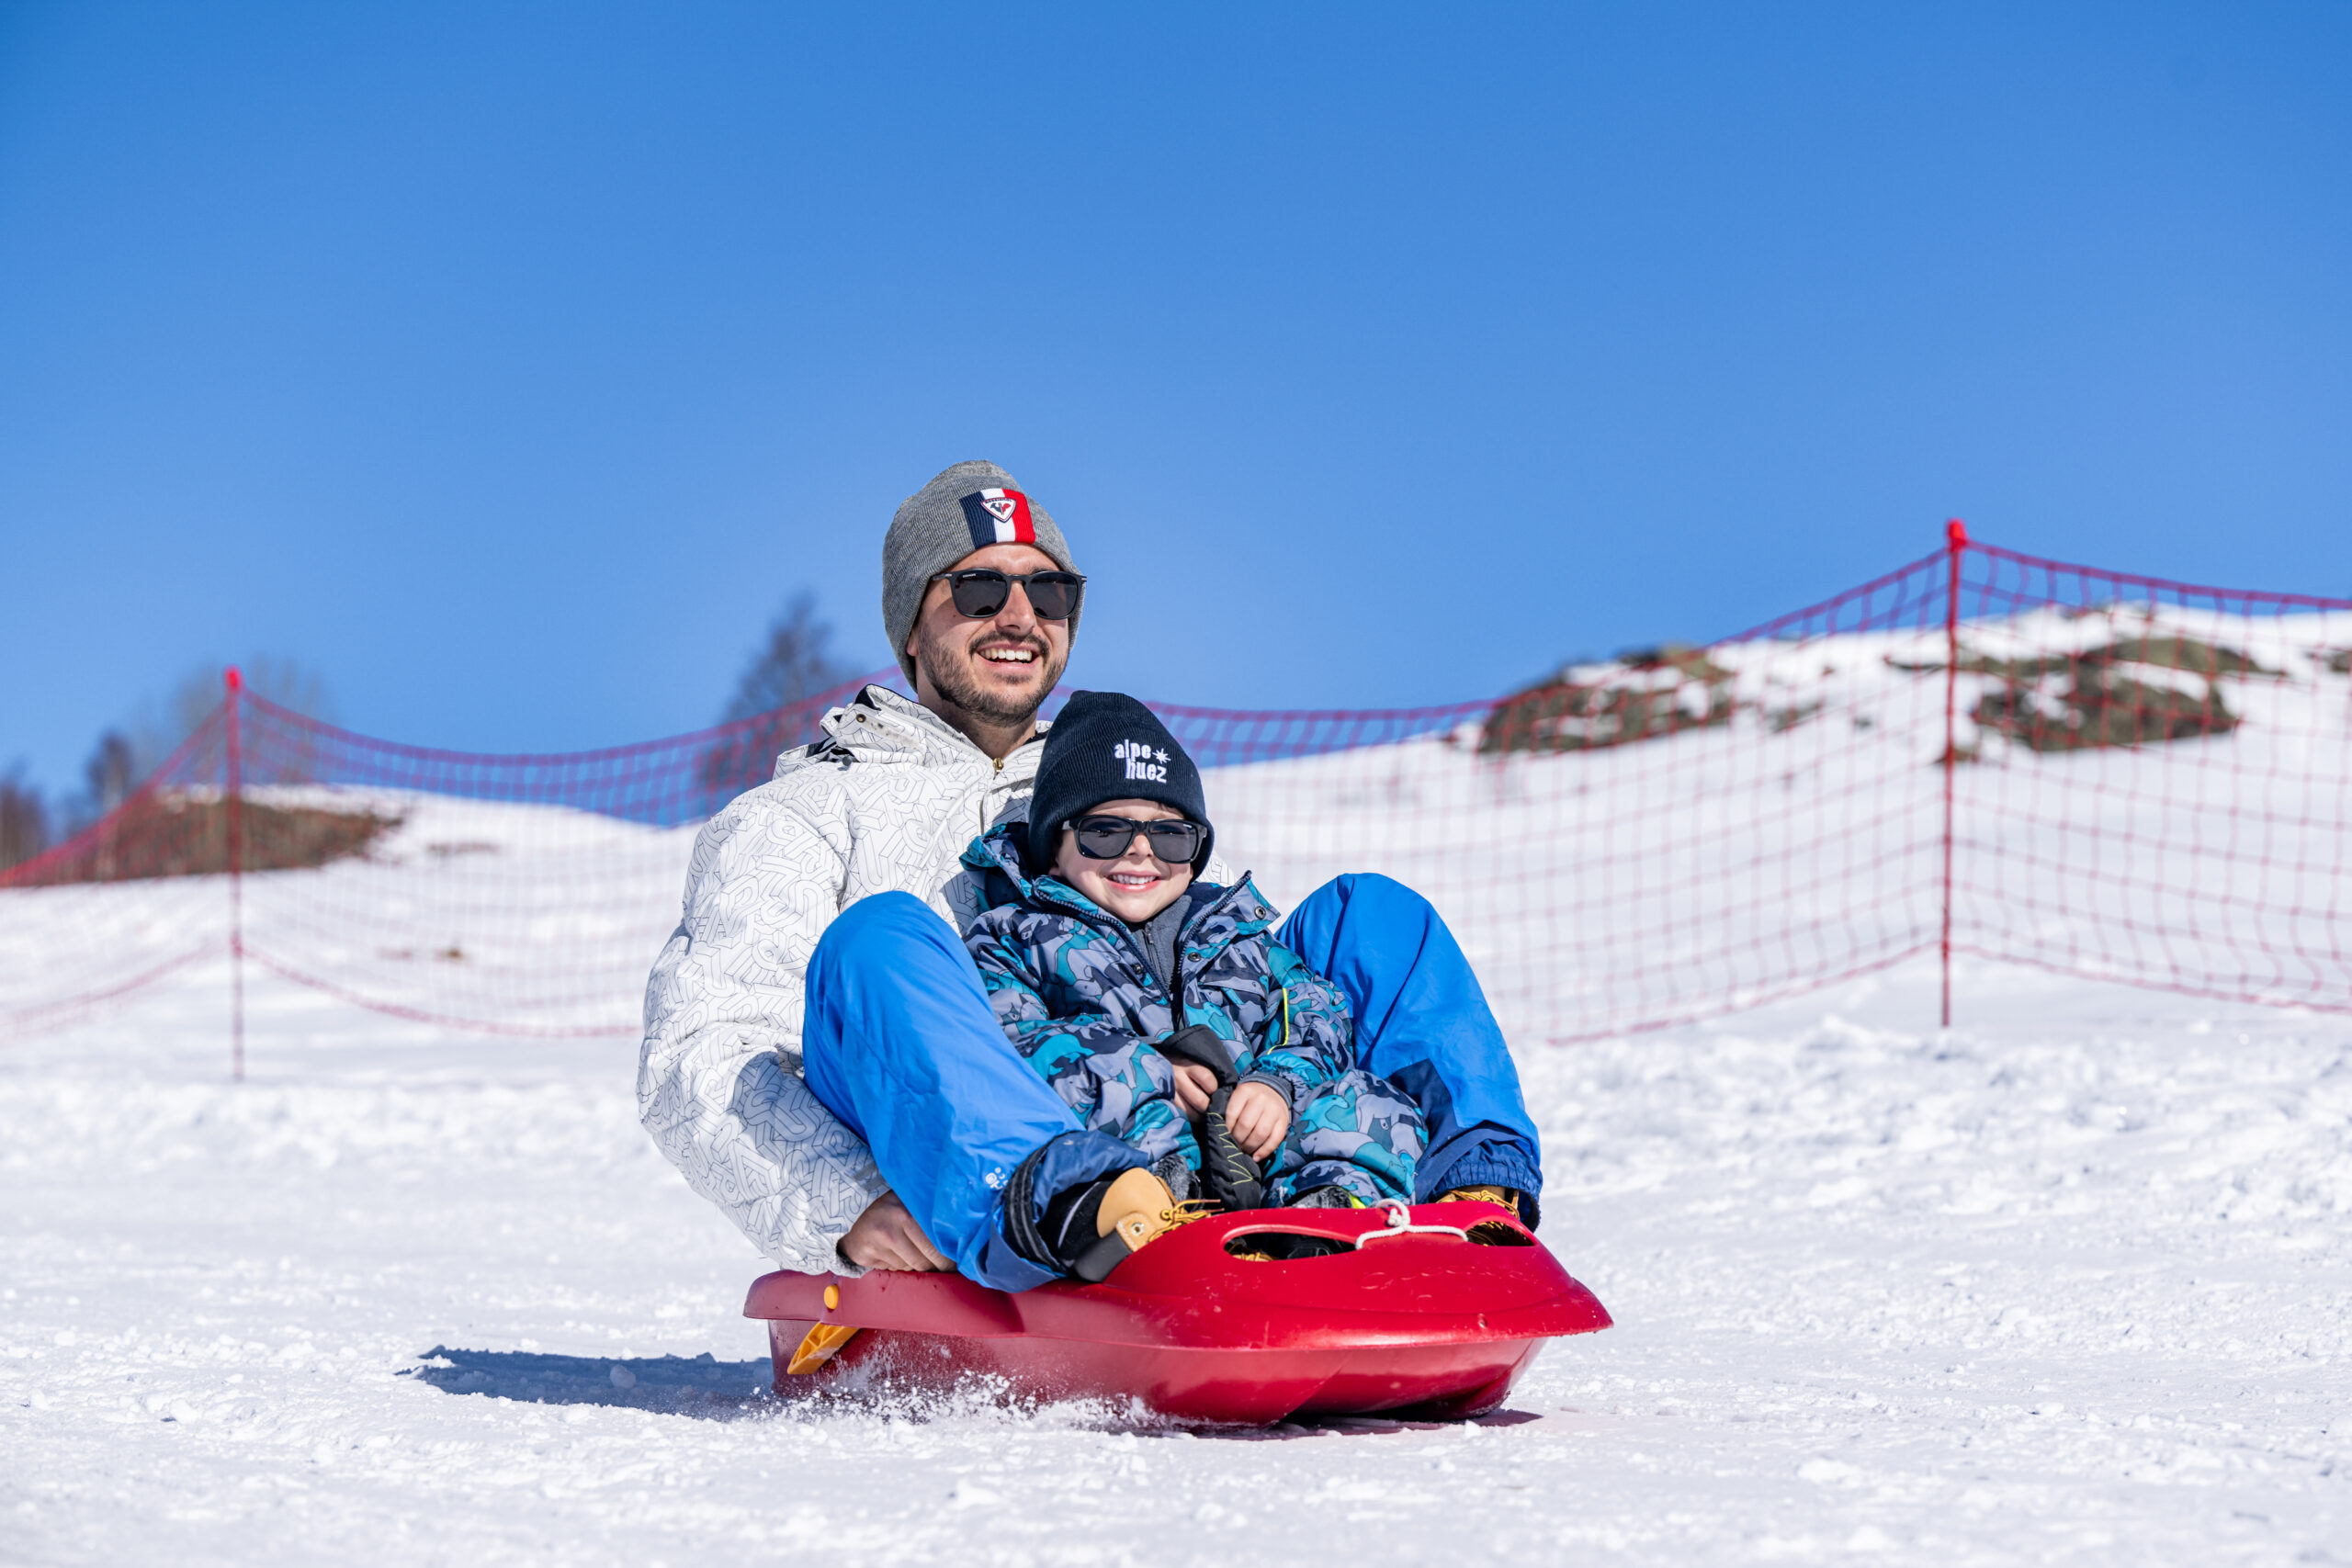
(968, 507)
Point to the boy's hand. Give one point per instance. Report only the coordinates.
(1194, 1087)
(1257, 1116)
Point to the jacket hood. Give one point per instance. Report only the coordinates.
(879, 726)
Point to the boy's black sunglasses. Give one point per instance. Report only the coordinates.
(981, 592)
(1107, 837)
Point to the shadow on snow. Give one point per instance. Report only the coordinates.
(702, 1385)
(707, 1387)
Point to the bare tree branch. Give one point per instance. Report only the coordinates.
(24, 820)
(794, 665)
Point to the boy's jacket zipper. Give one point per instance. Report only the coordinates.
(1100, 919)
(1108, 921)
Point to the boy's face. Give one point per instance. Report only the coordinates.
(1137, 885)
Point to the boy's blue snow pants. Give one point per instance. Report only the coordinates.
(898, 1041)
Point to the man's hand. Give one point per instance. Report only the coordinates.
(886, 1236)
(1257, 1116)
(1193, 1085)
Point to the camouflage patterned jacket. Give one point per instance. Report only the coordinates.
(1072, 986)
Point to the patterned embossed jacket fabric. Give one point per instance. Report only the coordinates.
(886, 801)
(1075, 989)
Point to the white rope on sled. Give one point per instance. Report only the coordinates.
(1400, 1223)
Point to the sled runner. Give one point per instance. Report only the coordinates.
(1432, 1311)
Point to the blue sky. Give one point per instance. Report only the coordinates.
(510, 369)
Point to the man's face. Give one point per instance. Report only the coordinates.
(1000, 669)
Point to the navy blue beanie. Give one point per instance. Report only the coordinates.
(1106, 746)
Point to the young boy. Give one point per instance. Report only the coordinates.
(1127, 983)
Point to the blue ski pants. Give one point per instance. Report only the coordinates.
(898, 1039)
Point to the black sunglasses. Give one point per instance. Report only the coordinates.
(1107, 837)
(981, 592)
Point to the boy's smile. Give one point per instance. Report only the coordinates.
(1137, 885)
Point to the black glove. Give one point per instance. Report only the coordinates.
(1231, 1177)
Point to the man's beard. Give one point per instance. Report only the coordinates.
(951, 678)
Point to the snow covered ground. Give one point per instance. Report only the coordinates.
(2070, 1284)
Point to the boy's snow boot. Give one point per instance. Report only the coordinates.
(1333, 1197)
(1277, 1248)
(1231, 1177)
(1500, 1197)
(1184, 1181)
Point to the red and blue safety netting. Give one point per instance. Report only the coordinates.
(1982, 753)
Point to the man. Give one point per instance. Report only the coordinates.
(808, 1027)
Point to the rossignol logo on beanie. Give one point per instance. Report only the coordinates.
(1142, 761)
(998, 517)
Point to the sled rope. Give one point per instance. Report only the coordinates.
(1400, 1223)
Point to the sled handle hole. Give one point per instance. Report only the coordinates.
(1282, 1247)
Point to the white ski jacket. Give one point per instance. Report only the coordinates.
(888, 800)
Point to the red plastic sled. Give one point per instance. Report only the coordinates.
(1432, 1312)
